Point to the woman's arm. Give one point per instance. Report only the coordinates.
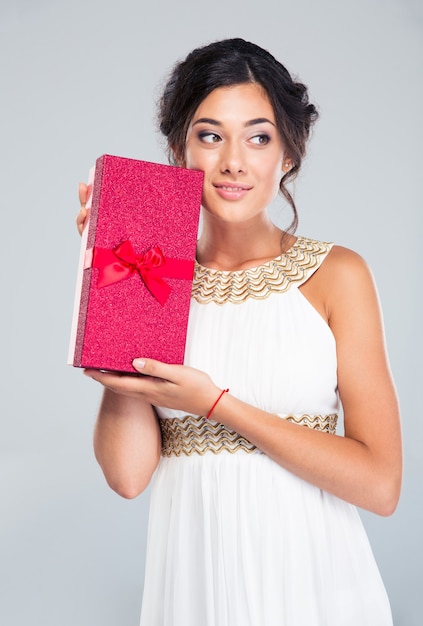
(127, 438)
(127, 442)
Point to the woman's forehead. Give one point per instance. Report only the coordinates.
(245, 101)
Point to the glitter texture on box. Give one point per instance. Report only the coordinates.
(136, 264)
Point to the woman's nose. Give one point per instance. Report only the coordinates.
(233, 159)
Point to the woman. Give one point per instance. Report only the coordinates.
(253, 517)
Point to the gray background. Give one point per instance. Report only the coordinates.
(79, 78)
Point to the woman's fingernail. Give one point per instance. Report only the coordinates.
(138, 363)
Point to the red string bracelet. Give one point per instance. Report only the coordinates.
(214, 405)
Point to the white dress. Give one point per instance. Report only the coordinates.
(234, 539)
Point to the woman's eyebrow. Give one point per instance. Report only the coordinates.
(207, 120)
(257, 120)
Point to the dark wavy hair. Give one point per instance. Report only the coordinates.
(234, 62)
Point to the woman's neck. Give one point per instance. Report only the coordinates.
(237, 246)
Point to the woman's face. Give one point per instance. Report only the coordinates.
(234, 140)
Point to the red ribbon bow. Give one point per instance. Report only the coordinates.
(122, 262)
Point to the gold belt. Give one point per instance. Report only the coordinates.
(197, 435)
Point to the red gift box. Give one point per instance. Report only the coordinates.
(136, 264)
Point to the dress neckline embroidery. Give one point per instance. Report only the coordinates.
(277, 275)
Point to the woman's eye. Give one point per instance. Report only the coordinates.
(207, 137)
(260, 140)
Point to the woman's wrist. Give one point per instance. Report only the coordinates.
(216, 402)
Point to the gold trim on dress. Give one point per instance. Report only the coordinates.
(198, 435)
(277, 275)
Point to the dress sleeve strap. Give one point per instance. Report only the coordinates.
(304, 258)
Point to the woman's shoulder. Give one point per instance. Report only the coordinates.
(336, 262)
(343, 264)
(341, 257)
(342, 280)
(338, 256)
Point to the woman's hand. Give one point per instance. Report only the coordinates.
(173, 386)
(82, 217)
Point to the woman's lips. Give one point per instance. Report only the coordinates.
(231, 191)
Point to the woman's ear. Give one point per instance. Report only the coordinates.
(179, 160)
(287, 164)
